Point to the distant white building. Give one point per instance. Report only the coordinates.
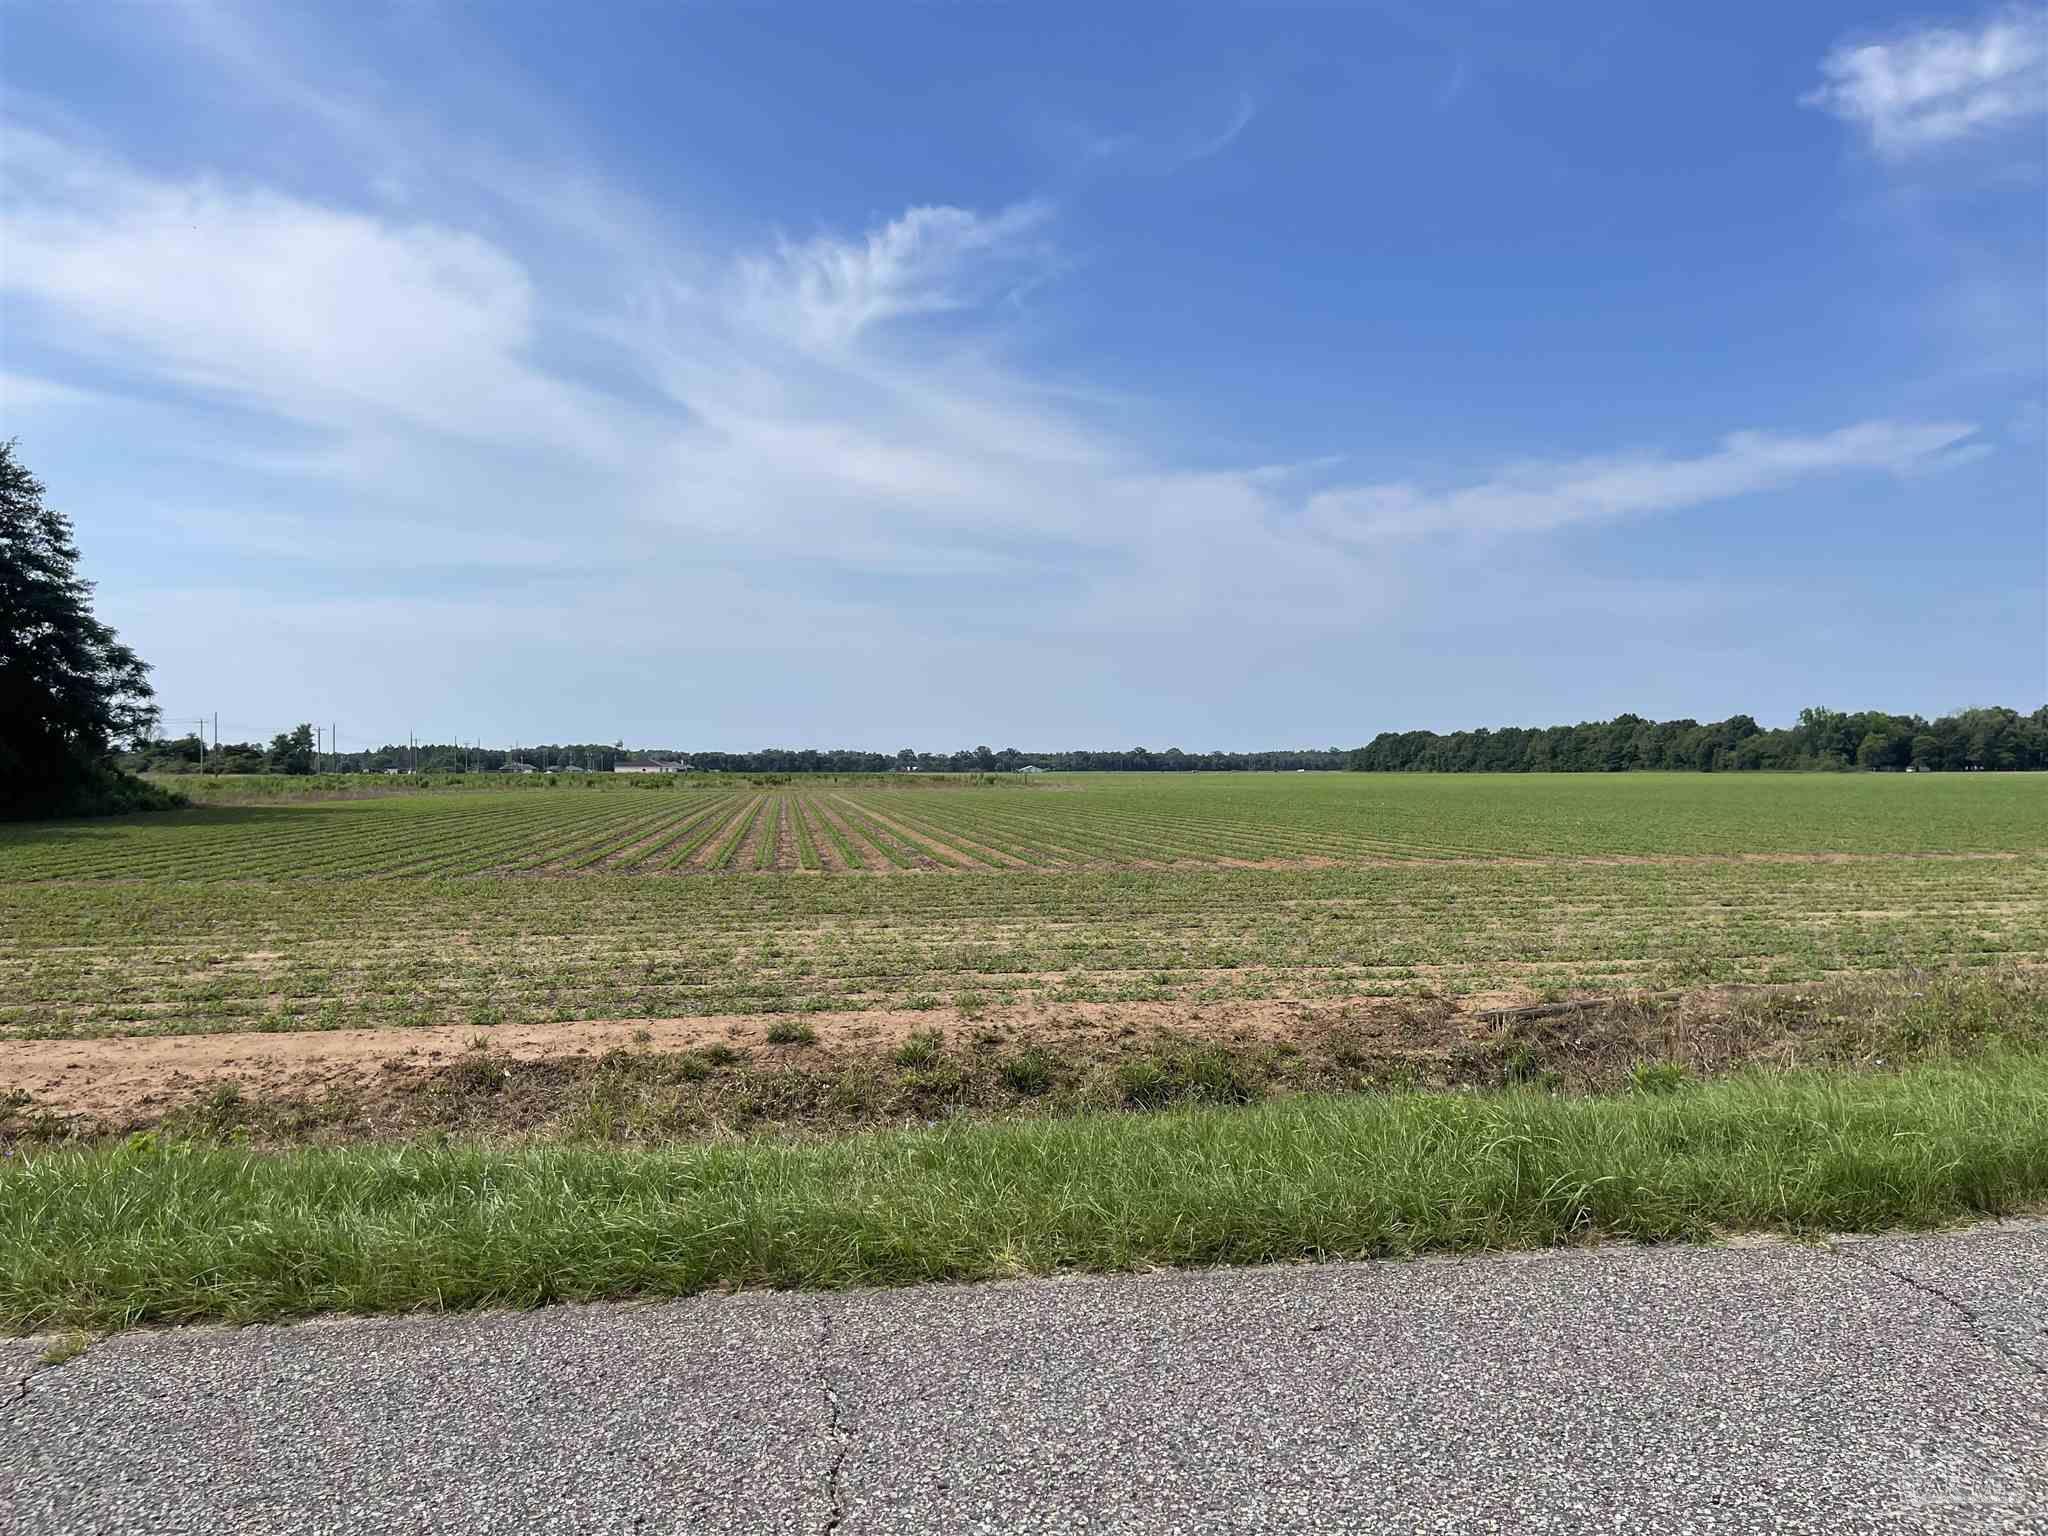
(647, 767)
(1031, 768)
(519, 767)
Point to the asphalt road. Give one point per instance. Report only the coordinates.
(1888, 1385)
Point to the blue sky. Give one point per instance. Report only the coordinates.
(723, 375)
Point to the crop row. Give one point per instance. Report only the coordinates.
(84, 959)
(1107, 822)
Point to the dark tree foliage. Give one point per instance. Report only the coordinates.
(184, 756)
(68, 689)
(1009, 759)
(1970, 739)
(1993, 739)
(292, 751)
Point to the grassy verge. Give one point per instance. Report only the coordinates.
(103, 1235)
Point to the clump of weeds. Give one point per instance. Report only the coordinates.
(1658, 1076)
(1030, 1073)
(921, 1050)
(1190, 1074)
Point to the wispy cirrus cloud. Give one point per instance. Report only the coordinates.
(1933, 86)
(1158, 151)
(1215, 143)
(786, 410)
(327, 316)
(1539, 498)
(928, 260)
(610, 418)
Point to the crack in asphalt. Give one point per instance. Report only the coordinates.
(842, 1434)
(1973, 1319)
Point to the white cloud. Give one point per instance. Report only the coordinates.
(1535, 498)
(1158, 150)
(709, 443)
(827, 291)
(1939, 84)
(784, 417)
(328, 317)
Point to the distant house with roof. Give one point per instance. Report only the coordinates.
(647, 767)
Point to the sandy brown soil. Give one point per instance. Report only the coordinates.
(134, 1077)
(861, 1069)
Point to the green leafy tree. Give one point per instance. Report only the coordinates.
(69, 690)
(292, 751)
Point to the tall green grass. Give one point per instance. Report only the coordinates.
(100, 1236)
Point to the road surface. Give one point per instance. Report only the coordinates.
(1885, 1385)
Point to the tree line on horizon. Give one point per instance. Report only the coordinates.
(71, 693)
(295, 752)
(1992, 739)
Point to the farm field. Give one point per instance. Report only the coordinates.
(535, 907)
(1125, 821)
(695, 986)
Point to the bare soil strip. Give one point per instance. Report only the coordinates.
(132, 1078)
(124, 1083)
